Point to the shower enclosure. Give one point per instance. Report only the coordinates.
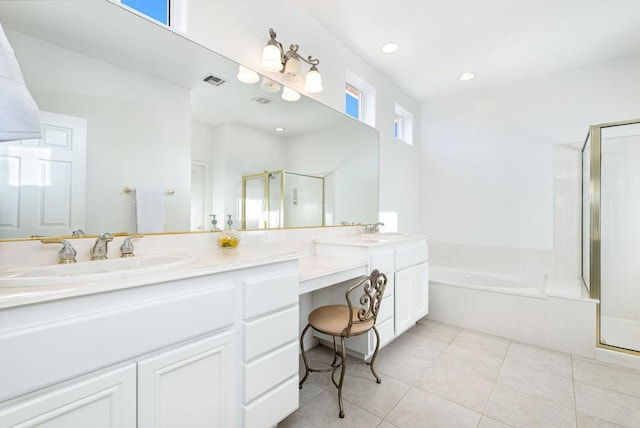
(611, 231)
(276, 199)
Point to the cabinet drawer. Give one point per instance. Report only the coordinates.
(410, 256)
(390, 288)
(386, 331)
(265, 295)
(264, 373)
(265, 334)
(386, 309)
(274, 406)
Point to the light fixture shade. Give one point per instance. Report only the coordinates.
(290, 94)
(271, 58)
(293, 70)
(269, 85)
(246, 75)
(313, 82)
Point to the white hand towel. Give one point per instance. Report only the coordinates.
(19, 116)
(150, 210)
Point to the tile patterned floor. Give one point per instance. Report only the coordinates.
(438, 375)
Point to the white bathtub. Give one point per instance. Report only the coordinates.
(488, 281)
(512, 306)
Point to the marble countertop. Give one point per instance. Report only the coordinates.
(371, 240)
(212, 261)
(314, 271)
(311, 268)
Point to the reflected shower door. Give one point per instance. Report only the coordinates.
(620, 237)
(255, 202)
(303, 200)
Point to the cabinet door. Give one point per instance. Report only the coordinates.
(404, 315)
(421, 291)
(106, 399)
(189, 386)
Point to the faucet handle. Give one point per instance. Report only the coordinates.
(67, 254)
(78, 232)
(126, 249)
(106, 236)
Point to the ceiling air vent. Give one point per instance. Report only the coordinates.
(261, 100)
(213, 80)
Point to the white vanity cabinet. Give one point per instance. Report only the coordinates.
(412, 296)
(215, 350)
(406, 298)
(270, 351)
(188, 386)
(103, 399)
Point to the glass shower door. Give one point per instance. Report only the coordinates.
(255, 207)
(620, 237)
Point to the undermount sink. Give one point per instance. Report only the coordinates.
(92, 270)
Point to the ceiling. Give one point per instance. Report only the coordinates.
(500, 41)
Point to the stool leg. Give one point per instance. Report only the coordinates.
(304, 356)
(375, 354)
(342, 370)
(335, 353)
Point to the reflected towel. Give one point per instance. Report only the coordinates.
(150, 210)
(19, 116)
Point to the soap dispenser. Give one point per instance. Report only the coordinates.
(229, 238)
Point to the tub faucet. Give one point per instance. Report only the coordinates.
(99, 249)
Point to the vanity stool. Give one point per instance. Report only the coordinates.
(344, 321)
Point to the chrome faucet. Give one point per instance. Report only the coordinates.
(126, 249)
(67, 254)
(99, 249)
(78, 232)
(373, 227)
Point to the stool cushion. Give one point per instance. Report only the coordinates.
(333, 319)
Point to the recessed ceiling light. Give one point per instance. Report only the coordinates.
(467, 76)
(390, 48)
(279, 129)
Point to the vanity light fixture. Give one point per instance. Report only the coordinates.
(279, 129)
(246, 75)
(290, 64)
(466, 76)
(289, 94)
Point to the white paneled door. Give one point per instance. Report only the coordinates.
(48, 174)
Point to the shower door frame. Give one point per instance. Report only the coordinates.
(267, 196)
(283, 173)
(595, 210)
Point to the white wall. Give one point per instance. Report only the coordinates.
(138, 130)
(487, 157)
(344, 155)
(239, 31)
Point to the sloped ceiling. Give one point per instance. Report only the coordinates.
(500, 41)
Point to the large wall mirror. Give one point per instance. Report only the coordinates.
(125, 105)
